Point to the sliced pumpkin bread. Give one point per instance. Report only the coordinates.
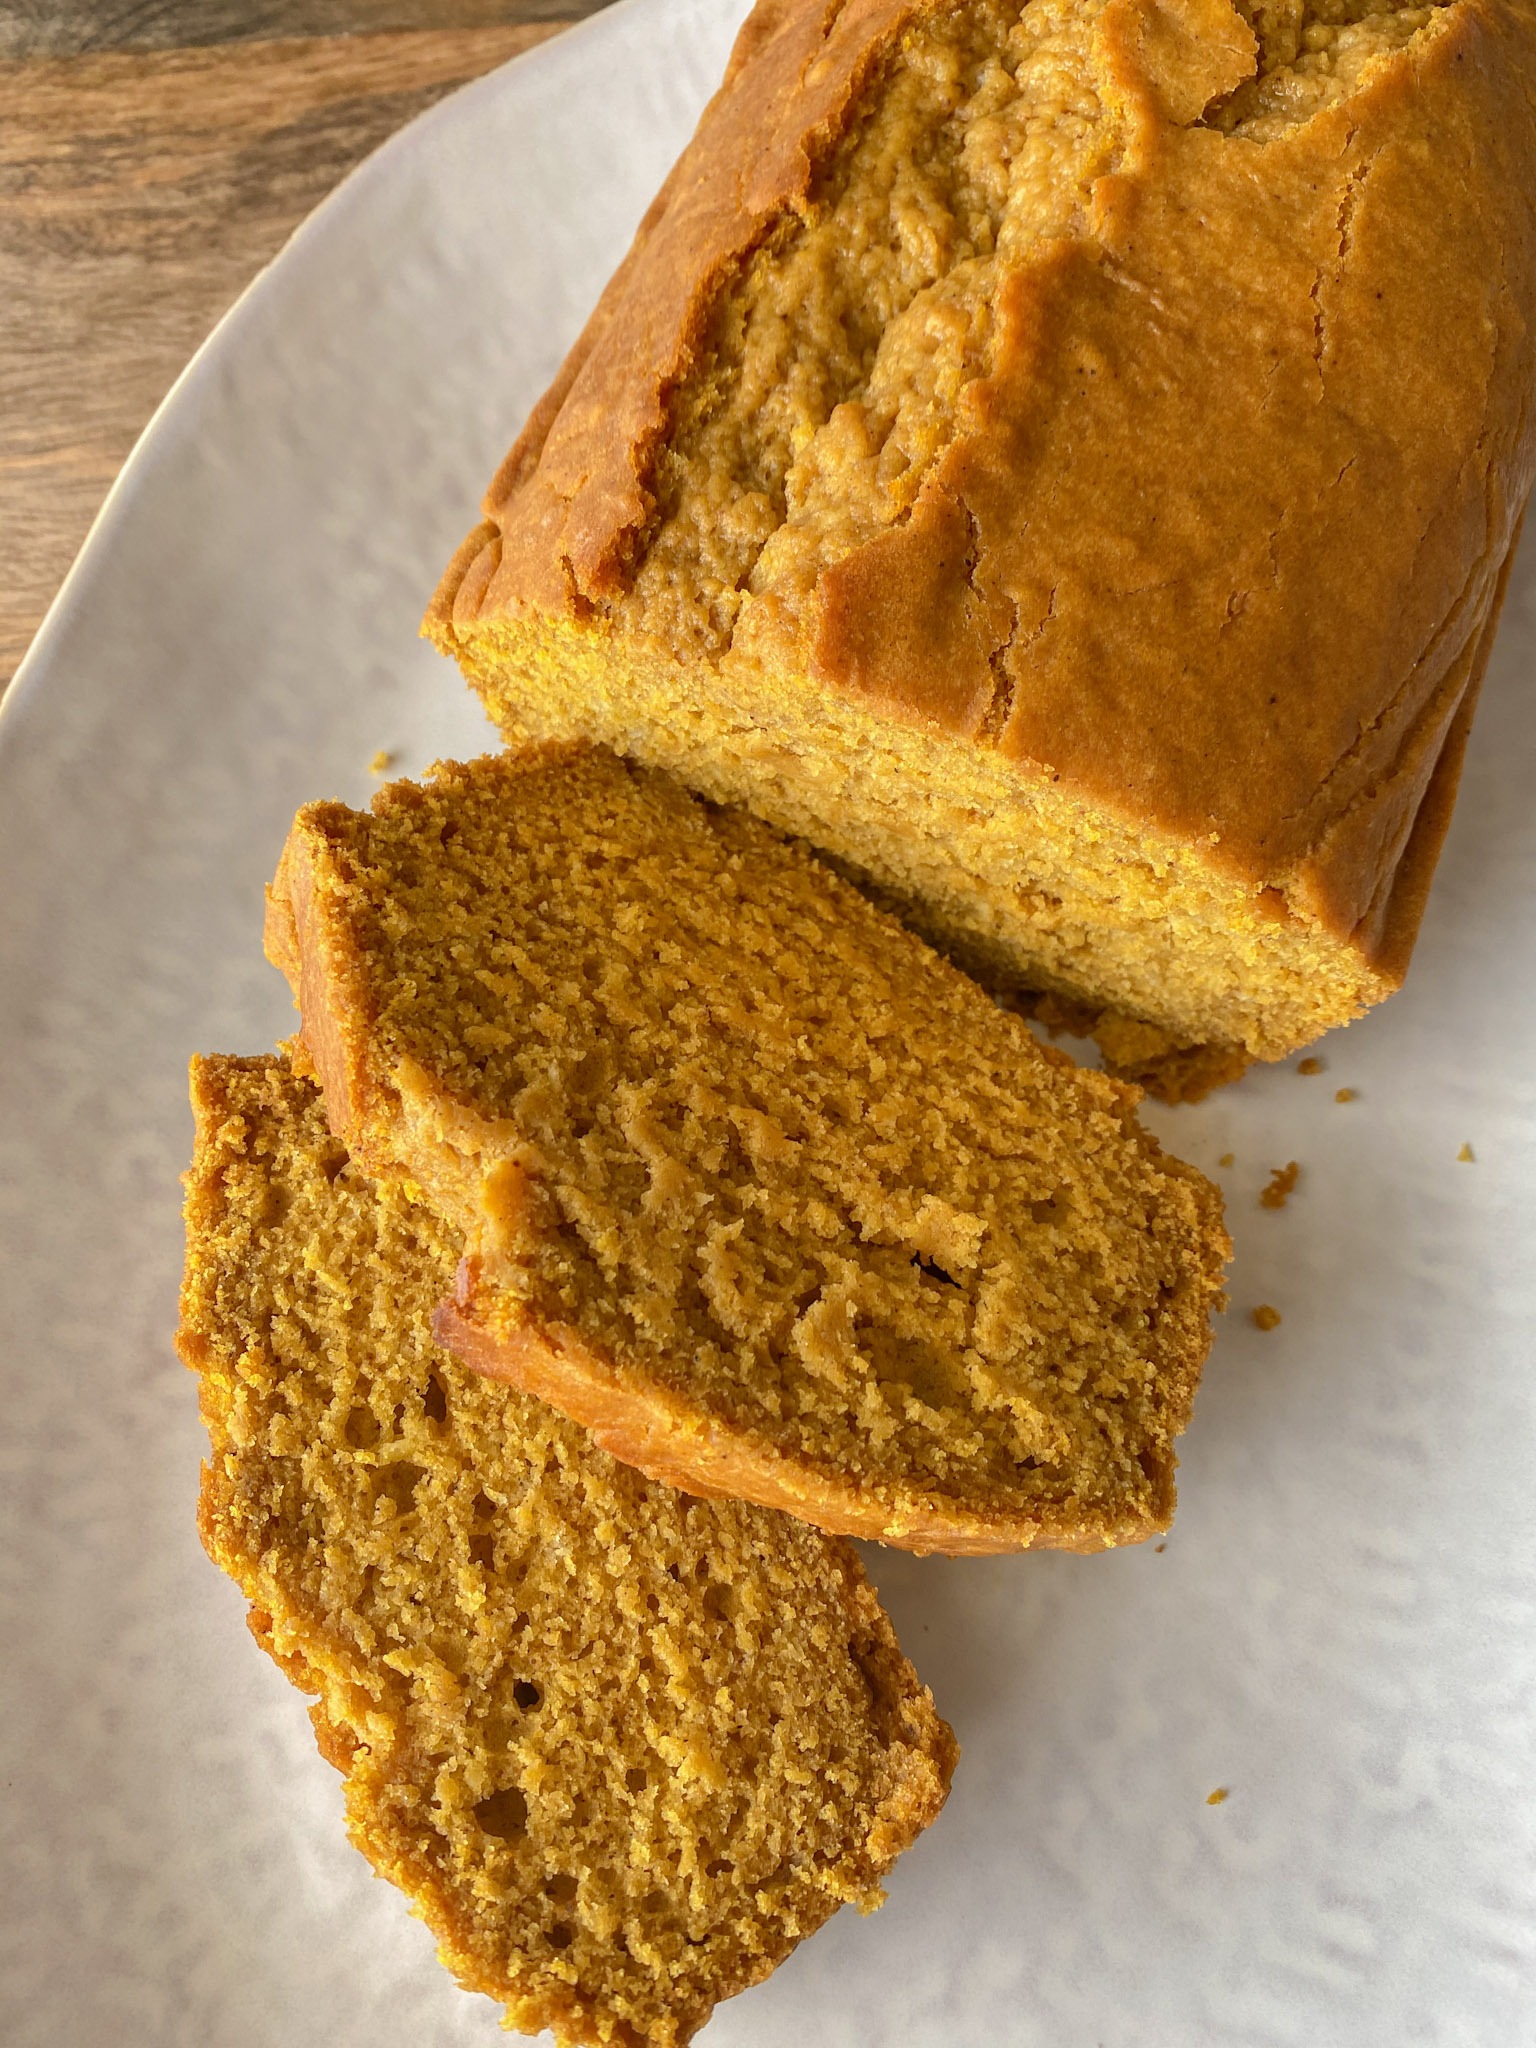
(622, 1748)
(754, 1185)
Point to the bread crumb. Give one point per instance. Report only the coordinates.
(1344, 1094)
(1282, 1184)
(382, 762)
(1218, 1797)
(1266, 1317)
(1466, 1155)
(1310, 1066)
(1226, 1159)
(1160, 1548)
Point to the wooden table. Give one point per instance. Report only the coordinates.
(154, 154)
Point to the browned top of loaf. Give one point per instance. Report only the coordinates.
(624, 1749)
(756, 1186)
(1135, 390)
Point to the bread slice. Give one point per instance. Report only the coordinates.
(1061, 460)
(623, 1749)
(754, 1185)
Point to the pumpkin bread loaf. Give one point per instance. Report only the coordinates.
(1061, 459)
(623, 1749)
(753, 1184)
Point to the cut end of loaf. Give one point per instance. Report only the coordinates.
(1025, 884)
(623, 1749)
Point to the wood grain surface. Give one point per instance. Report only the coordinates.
(152, 158)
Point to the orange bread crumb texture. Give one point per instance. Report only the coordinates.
(753, 1184)
(622, 1748)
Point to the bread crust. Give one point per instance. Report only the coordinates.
(1220, 542)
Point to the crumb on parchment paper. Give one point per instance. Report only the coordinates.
(1282, 1183)
(1218, 1797)
(1226, 1159)
(1466, 1155)
(1310, 1065)
(382, 762)
(1345, 1094)
(1265, 1317)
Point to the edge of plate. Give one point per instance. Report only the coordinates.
(27, 681)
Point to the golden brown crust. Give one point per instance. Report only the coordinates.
(299, 949)
(575, 491)
(1218, 541)
(1392, 921)
(1247, 648)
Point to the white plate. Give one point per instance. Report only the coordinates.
(1341, 1627)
